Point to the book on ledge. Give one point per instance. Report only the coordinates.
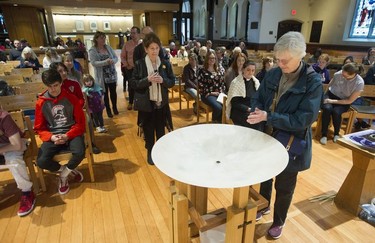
(364, 139)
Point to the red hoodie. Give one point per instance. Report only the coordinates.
(75, 88)
(62, 114)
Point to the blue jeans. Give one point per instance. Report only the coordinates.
(192, 92)
(217, 108)
(335, 111)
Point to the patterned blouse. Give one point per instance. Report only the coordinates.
(210, 82)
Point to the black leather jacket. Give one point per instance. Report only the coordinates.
(140, 83)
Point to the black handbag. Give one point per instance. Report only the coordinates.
(142, 101)
(294, 145)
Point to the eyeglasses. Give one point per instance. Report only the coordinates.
(283, 61)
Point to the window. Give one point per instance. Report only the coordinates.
(186, 6)
(363, 20)
(233, 17)
(202, 28)
(224, 22)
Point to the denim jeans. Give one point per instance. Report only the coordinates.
(335, 111)
(217, 108)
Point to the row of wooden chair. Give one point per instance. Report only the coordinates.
(17, 104)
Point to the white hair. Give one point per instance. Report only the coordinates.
(293, 42)
(28, 50)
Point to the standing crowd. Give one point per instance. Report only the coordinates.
(281, 98)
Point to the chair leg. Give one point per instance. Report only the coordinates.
(41, 179)
(90, 162)
(33, 177)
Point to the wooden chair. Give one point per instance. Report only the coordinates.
(364, 111)
(30, 88)
(202, 106)
(36, 77)
(224, 119)
(13, 79)
(177, 71)
(14, 64)
(18, 102)
(66, 155)
(6, 69)
(183, 93)
(24, 123)
(25, 72)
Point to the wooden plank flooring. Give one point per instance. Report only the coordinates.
(129, 200)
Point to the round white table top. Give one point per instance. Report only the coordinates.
(219, 156)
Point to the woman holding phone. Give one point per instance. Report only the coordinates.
(151, 79)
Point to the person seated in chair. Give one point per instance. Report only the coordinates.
(242, 88)
(60, 123)
(12, 147)
(189, 77)
(344, 89)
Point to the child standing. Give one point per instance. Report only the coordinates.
(95, 101)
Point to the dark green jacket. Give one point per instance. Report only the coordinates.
(296, 110)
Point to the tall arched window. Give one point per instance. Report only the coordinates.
(202, 23)
(233, 16)
(197, 17)
(186, 8)
(247, 20)
(224, 21)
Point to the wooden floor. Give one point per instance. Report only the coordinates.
(129, 200)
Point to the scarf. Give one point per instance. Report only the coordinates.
(94, 88)
(155, 89)
(237, 89)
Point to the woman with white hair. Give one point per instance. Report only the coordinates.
(287, 102)
(29, 59)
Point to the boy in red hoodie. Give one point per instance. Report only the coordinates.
(60, 123)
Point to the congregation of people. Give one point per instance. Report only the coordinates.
(281, 92)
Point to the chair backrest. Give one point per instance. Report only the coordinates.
(13, 63)
(13, 79)
(368, 91)
(36, 77)
(30, 88)
(18, 102)
(25, 72)
(25, 124)
(6, 69)
(177, 71)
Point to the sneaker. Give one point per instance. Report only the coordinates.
(323, 140)
(95, 149)
(103, 129)
(130, 107)
(260, 213)
(365, 125)
(357, 126)
(335, 138)
(76, 176)
(27, 203)
(63, 185)
(275, 231)
(98, 129)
